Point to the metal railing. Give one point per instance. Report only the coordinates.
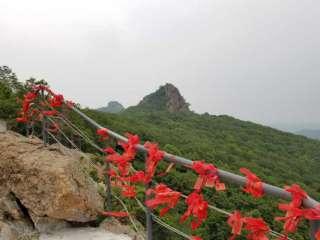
(224, 175)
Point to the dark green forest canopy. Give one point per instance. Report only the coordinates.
(277, 157)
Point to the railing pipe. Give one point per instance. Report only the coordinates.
(224, 175)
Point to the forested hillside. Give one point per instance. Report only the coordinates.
(277, 157)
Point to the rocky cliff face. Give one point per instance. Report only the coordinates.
(167, 97)
(42, 185)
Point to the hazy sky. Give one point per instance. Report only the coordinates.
(256, 60)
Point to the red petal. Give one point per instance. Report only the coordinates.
(196, 238)
(253, 185)
(317, 236)
(235, 221)
(115, 214)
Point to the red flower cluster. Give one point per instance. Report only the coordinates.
(137, 177)
(312, 213)
(28, 98)
(235, 221)
(317, 235)
(163, 196)
(208, 176)
(253, 185)
(197, 207)
(122, 162)
(55, 100)
(256, 227)
(294, 212)
(103, 134)
(129, 147)
(154, 157)
(50, 112)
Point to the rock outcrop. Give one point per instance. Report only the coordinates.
(42, 185)
(167, 98)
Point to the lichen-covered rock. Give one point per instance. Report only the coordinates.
(46, 181)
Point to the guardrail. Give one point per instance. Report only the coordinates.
(224, 175)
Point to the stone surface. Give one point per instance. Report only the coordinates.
(84, 234)
(14, 224)
(113, 225)
(48, 225)
(167, 98)
(47, 182)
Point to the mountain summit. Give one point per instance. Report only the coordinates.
(167, 98)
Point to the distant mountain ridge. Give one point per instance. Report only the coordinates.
(113, 107)
(310, 133)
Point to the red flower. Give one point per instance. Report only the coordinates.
(257, 228)
(138, 176)
(121, 162)
(253, 185)
(27, 99)
(103, 133)
(154, 157)
(317, 236)
(50, 112)
(22, 119)
(235, 221)
(128, 191)
(292, 218)
(109, 150)
(129, 147)
(54, 128)
(197, 207)
(294, 213)
(56, 100)
(312, 213)
(297, 194)
(163, 196)
(196, 238)
(115, 214)
(208, 176)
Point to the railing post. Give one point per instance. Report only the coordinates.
(148, 211)
(44, 123)
(108, 187)
(148, 219)
(314, 228)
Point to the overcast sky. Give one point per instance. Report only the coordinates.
(257, 60)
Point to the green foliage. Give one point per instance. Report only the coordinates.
(277, 157)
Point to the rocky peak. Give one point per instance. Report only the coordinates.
(167, 97)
